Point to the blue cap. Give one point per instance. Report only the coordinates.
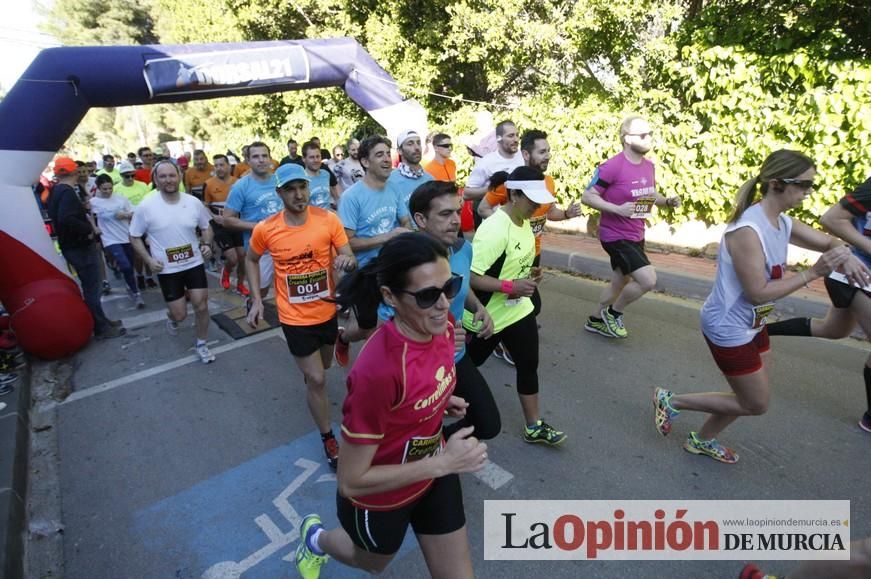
(289, 172)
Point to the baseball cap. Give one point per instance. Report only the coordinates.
(64, 166)
(126, 167)
(289, 172)
(182, 161)
(404, 136)
(531, 182)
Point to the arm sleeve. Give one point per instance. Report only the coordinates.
(258, 239)
(603, 177)
(487, 248)
(235, 199)
(858, 202)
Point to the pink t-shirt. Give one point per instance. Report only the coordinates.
(619, 180)
(397, 393)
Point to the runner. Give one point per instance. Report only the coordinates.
(252, 199)
(170, 219)
(302, 240)
(536, 154)
(750, 277)
(215, 192)
(322, 194)
(504, 279)
(113, 213)
(396, 467)
(435, 208)
(506, 157)
(623, 189)
(849, 220)
(196, 176)
(409, 175)
(372, 215)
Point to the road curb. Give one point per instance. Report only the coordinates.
(14, 455)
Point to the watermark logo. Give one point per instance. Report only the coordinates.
(666, 530)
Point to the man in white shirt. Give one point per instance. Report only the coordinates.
(170, 219)
(506, 157)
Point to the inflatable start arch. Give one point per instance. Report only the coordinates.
(53, 95)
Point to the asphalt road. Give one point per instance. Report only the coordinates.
(170, 468)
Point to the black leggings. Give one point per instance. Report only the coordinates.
(482, 412)
(521, 339)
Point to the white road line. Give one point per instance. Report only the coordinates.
(112, 384)
(493, 475)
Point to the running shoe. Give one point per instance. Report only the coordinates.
(111, 332)
(751, 571)
(140, 303)
(150, 283)
(243, 291)
(711, 448)
(343, 350)
(107, 289)
(501, 352)
(225, 278)
(171, 327)
(598, 327)
(307, 562)
(663, 413)
(205, 354)
(331, 449)
(865, 422)
(543, 432)
(614, 323)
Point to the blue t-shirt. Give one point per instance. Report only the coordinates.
(319, 186)
(404, 186)
(368, 212)
(461, 264)
(254, 200)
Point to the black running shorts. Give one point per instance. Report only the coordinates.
(438, 512)
(226, 238)
(627, 256)
(174, 285)
(842, 294)
(303, 341)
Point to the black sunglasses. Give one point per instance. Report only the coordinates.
(801, 183)
(126, 175)
(428, 296)
(446, 145)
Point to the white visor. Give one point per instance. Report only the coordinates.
(535, 190)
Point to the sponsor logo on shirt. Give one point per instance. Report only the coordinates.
(443, 379)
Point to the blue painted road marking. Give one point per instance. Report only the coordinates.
(246, 520)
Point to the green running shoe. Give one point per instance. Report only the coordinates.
(711, 448)
(543, 432)
(598, 327)
(307, 562)
(614, 323)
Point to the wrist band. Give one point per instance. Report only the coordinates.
(507, 287)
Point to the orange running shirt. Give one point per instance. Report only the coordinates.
(194, 179)
(216, 190)
(303, 257)
(439, 172)
(499, 196)
(240, 169)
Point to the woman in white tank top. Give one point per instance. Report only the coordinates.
(751, 275)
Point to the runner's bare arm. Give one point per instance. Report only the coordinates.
(839, 222)
(232, 221)
(359, 244)
(592, 198)
(485, 209)
(345, 260)
(357, 476)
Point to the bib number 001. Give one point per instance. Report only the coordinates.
(308, 287)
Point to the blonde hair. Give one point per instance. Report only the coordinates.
(782, 164)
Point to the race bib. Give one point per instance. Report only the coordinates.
(537, 224)
(308, 287)
(760, 314)
(643, 207)
(180, 254)
(418, 447)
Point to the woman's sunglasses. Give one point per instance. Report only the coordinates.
(428, 296)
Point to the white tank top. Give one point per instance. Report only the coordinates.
(728, 319)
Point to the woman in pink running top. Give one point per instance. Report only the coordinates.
(395, 468)
(751, 275)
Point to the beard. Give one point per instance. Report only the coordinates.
(640, 149)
